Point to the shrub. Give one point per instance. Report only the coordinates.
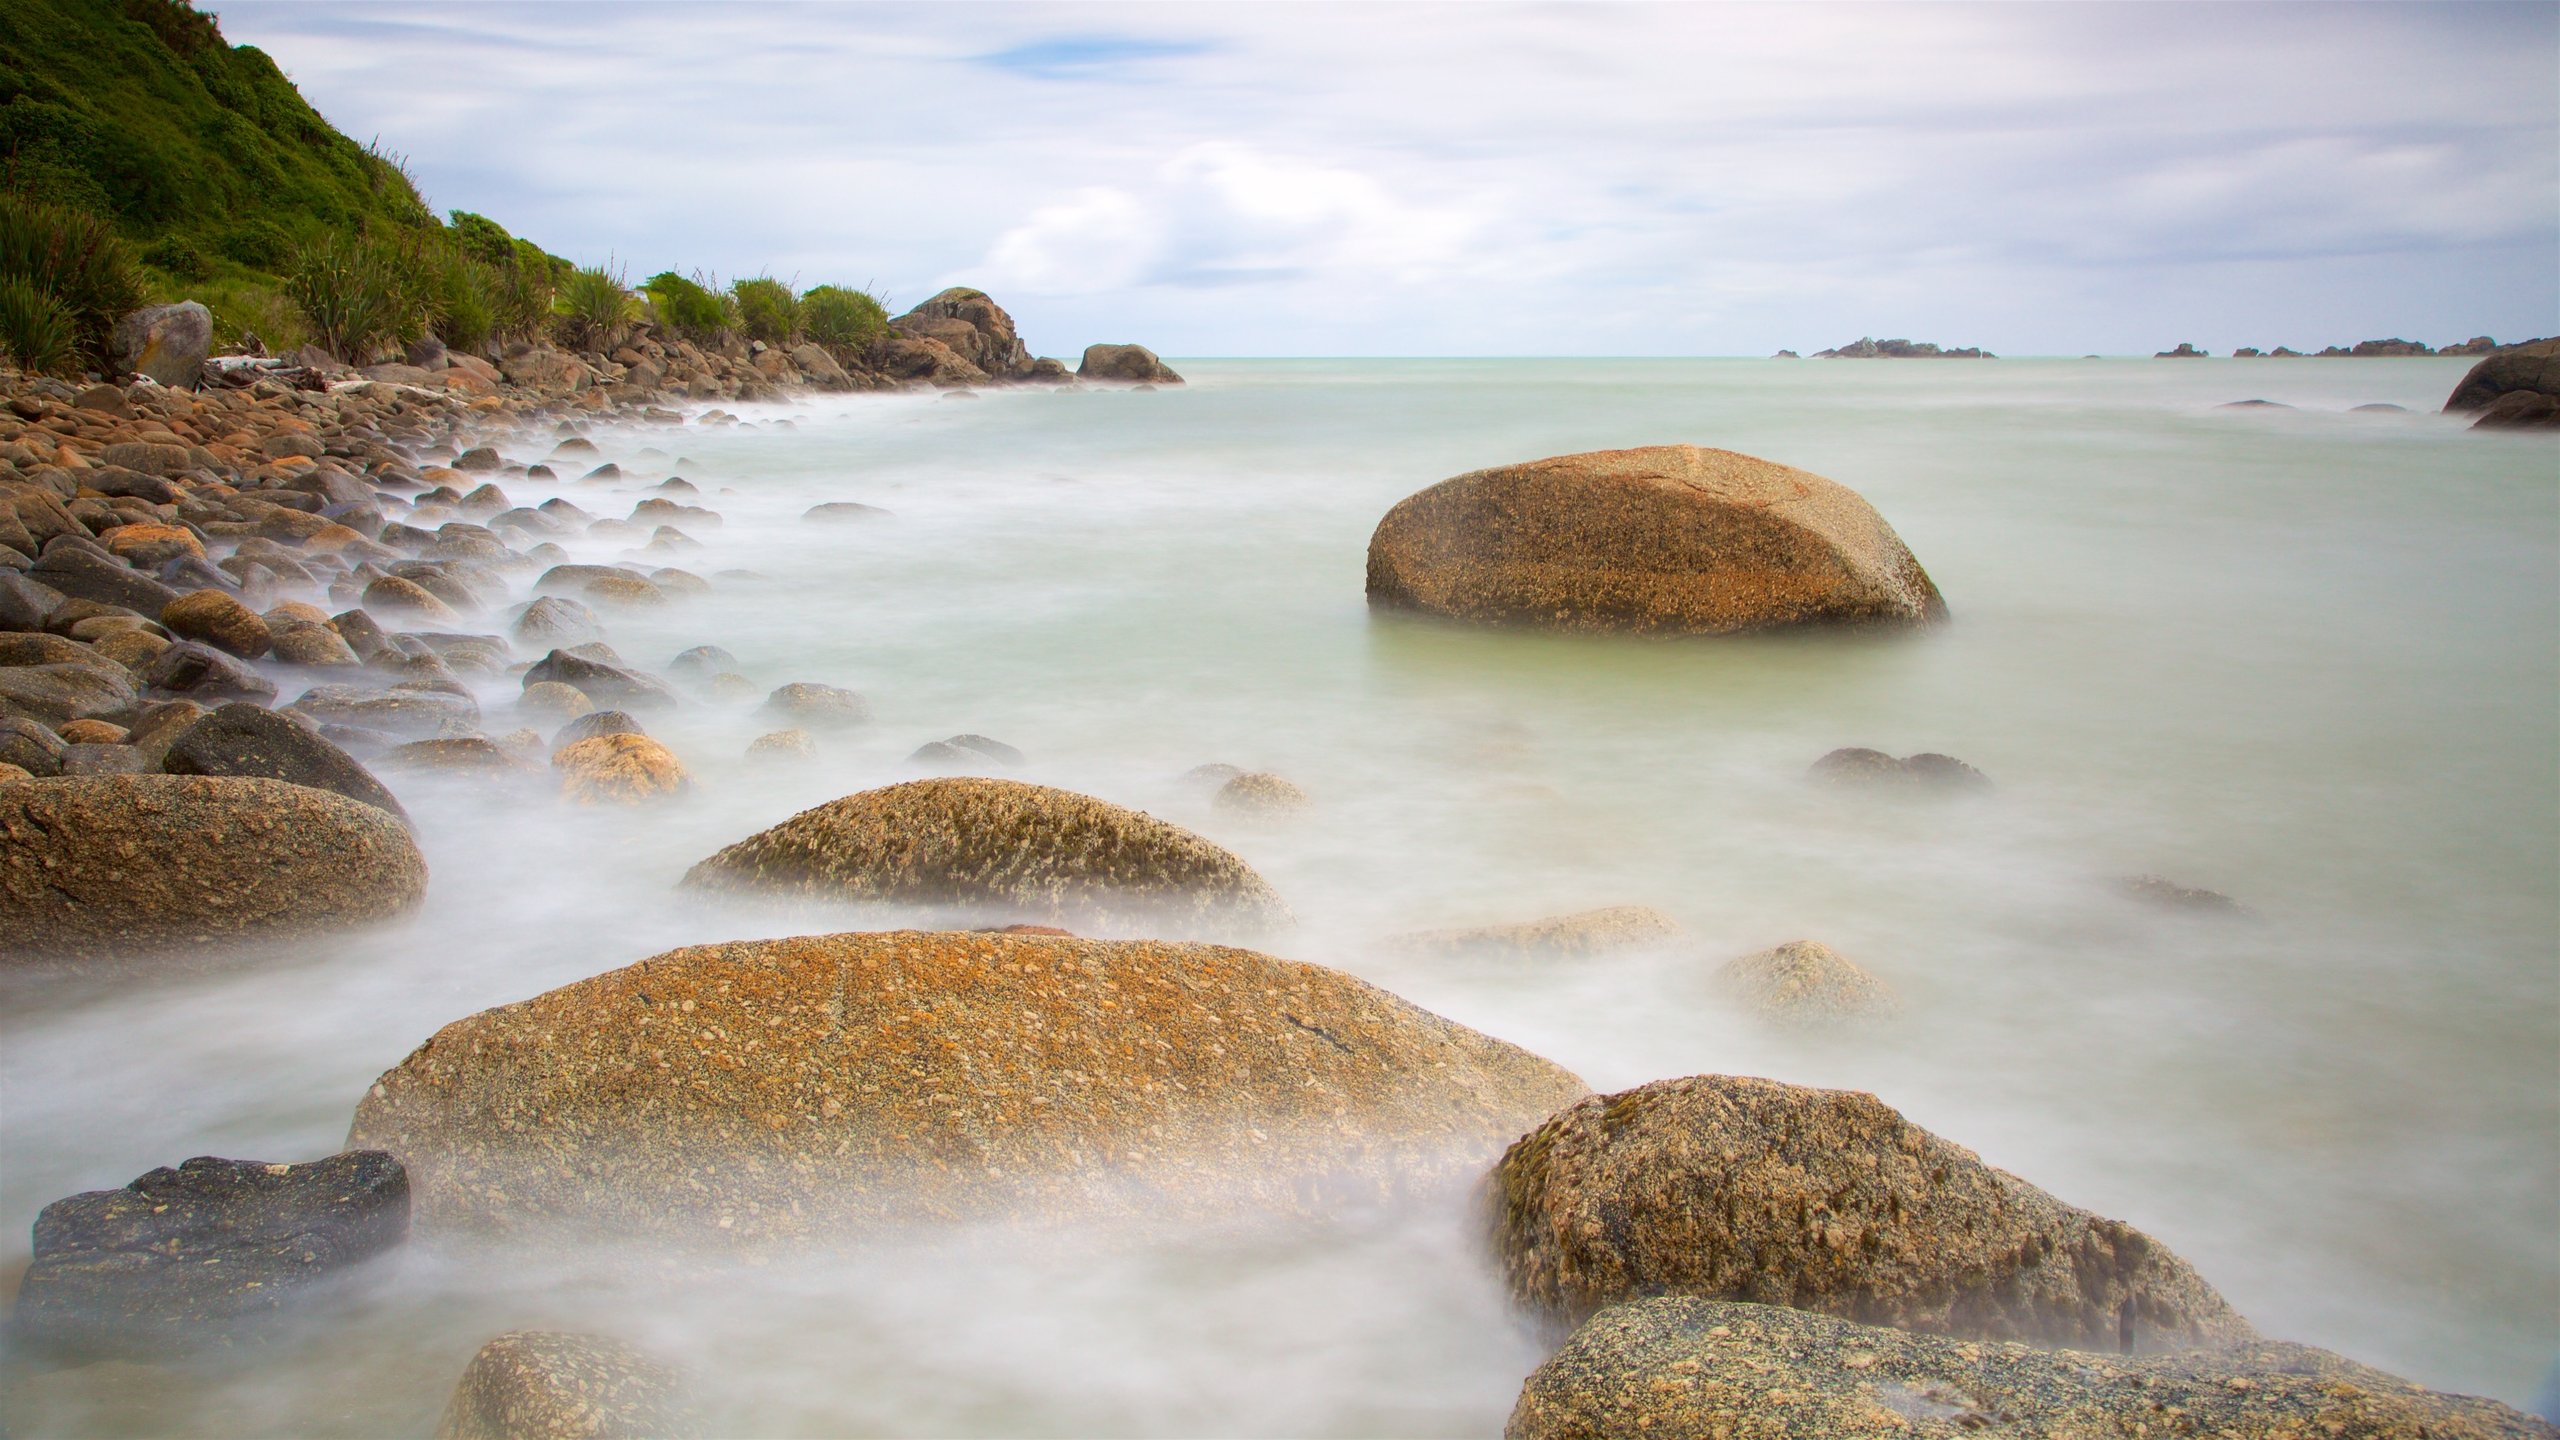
(74, 259)
(767, 310)
(520, 296)
(36, 333)
(461, 309)
(483, 239)
(844, 318)
(356, 295)
(687, 307)
(592, 308)
(258, 243)
(177, 255)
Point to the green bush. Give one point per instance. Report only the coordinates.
(259, 243)
(247, 306)
(483, 239)
(687, 307)
(36, 333)
(844, 318)
(520, 296)
(178, 256)
(356, 295)
(460, 307)
(592, 308)
(767, 310)
(77, 261)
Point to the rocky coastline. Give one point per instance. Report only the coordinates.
(234, 619)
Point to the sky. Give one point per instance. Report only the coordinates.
(1494, 179)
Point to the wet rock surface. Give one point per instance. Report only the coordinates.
(1804, 982)
(108, 865)
(203, 1255)
(242, 740)
(1857, 766)
(1052, 854)
(1682, 1366)
(1674, 539)
(1727, 1187)
(809, 1087)
(550, 1385)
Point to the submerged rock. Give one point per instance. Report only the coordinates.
(1804, 982)
(2167, 894)
(811, 705)
(1927, 770)
(983, 842)
(812, 1087)
(606, 684)
(108, 865)
(619, 769)
(1126, 364)
(211, 1252)
(967, 752)
(551, 1385)
(1584, 932)
(1673, 539)
(1259, 795)
(1682, 1366)
(1726, 1187)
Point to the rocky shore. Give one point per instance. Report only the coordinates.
(235, 620)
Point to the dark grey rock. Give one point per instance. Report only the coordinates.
(31, 746)
(24, 604)
(206, 1255)
(242, 739)
(700, 663)
(166, 342)
(205, 675)
(604, 682)
(966, 750)
(1857, 766)
(83, 574)
(86, 759)
(552, 621)
(55, 695)
(409, 714)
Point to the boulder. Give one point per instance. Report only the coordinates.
(25, 604)
(552, 701)
(1000, 844)
(452, 755)
(110, 759)
(53, 695)
(1584, 932)
(842, 511)
(205, 675)
(1673, 539)
(166, 342)
(2530, 368)
(2167, 894)
(965, 752)
(204, 1255)
(19, 648)
(604, 683)
(405, 711)
(814, 706)
(553, 621)
(1804, 982)
(85, 574)
(220, 620)
(1857, 766)
(1732, 1188)
(30, 745)
(1259, 795)
(313, 645)
(594, 724)
(104, 866)
(618, 769)
(259, 744)
(2519, 410)
(1127, 364)
(549, 1385)
(917, 358)
(972, 327)
(405, 599)
(782, 745)
(816, 1087)
(1682, 1366)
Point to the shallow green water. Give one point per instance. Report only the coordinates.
(2306, 657)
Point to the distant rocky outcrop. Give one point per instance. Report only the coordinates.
(2517, 387)
(1125, 364)
(2185, 351)
(1872, 349)
(972, 327)
(1672, 539)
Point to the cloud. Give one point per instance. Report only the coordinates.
(1087, 57)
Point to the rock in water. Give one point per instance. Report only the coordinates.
(619, 769)
(2530, 368)
(1804, 982)
(102, 866)
(240, 739)
(1127, 364)
(809, 1087)
(1681, 1366)
(208, 1253)
(973, 327)
(166, 342)
(1673, 540)
(1259, 795)
(1061, 856)
(1584, 932)
(1734, 1188)
(548, 1385)
(1928, 770)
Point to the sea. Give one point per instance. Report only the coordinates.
(2305, 655)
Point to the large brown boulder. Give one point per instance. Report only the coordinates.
(166, 342)
(555, 1385)
(810, 1087)
(2532, 367)
(973, 327)
(1126, 364)
(1031, 851)
(1742, 1189)
(1681, 1366)
(922, 358)
(104, 865)
(1673, 539)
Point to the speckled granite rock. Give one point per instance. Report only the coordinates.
(547, 1385)
(807, 1088)
(1734, 1188)
(1672, 539)
(1051, 853)
(619, 769)
(241, 739)
(202, 1255)
(1259, 795)
(1681, 1366)
(1584, 932)
(1804, 982)
(105, 865)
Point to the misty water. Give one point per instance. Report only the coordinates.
(2306, 657)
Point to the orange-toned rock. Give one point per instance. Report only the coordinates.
(219, 620)
(152, 546)
(407, 599)
(554, 1385)
(91, 732)
(808, 1089)
(1804, 982)
(619, 769)
(1673, 539)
